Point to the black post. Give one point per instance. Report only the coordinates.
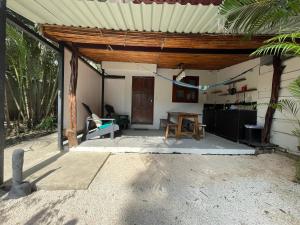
(2, 87)
(102, 96)
(60, 97)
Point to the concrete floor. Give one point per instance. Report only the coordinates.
(142, 141)
(49, 169)
(151, 189)
(40, 151)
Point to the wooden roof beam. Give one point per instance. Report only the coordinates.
(166, 60)
(149, 39)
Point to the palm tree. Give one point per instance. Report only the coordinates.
(280, 17)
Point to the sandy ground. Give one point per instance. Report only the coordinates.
(171, 189)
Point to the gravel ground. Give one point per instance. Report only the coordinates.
(171, 189)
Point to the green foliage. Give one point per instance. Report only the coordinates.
(256, 16)
(292, 105)
(47, 124)
(271, 16)
(266, 16)
(285, 44)
(31, 79)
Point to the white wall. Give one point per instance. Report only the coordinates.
(261, 78)
(251, 82)
(118, 92)
(88, 91)
(283, 123)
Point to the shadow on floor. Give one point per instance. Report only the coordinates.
(156, 183)
(27, 173)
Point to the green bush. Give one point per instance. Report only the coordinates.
(47, 124)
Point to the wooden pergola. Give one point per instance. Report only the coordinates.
(167, 50)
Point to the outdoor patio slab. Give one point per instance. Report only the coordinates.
(72, 171)
(144, 141)
(50, 169)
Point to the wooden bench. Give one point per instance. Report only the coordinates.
(171, 126)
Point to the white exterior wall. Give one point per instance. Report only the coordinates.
(118, 92)
(261, 78)
(251, 82)
(89, 86)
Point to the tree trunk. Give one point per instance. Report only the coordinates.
(277, 72)
(72, 131)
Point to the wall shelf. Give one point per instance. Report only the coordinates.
(239, 92)
(216, 92)
(235, 81)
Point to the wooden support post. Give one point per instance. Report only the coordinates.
(102, 94)
(277, 72)
(72, 131)
(2, 87)
(60, 97)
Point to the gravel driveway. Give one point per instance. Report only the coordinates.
(171, 189)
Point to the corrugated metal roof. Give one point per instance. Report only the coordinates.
(182, 2)
(122, 16)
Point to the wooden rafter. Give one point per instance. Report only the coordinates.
(166, 60)
(207, 52)
(150, 39)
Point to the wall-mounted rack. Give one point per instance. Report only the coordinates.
(216, 92)
(235, 81)
(239, 92)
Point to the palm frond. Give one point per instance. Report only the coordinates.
(279, 48)
(285, 37)
(252, 16)
(290, 105)
(294, 88)
(296, 132)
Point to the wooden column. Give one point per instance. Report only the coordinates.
(102, 93)
(277, 72)
(72, 131)
(2, 87)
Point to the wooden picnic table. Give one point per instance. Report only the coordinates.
(180, 116)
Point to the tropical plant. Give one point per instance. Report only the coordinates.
(292, 106)
(264, 17)
(281, 17)
(284, 44)
(31, 79)
(47, 124)
(261, 16)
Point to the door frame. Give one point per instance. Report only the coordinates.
(144, 123)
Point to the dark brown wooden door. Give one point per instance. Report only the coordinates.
(142, 100)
